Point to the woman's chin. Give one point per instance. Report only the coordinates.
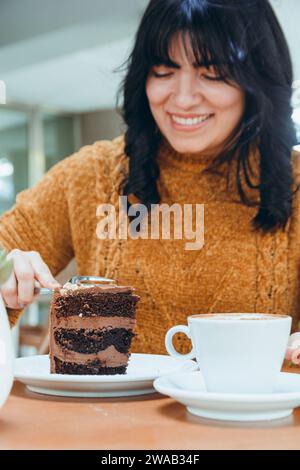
(190, 149)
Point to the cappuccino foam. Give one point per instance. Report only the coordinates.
(239, 316)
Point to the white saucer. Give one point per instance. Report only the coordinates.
(189, 389)
(34, 372)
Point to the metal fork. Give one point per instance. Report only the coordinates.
(76, 280)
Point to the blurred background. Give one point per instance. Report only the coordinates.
(58, 60)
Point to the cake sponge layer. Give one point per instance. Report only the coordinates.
(91, 341)
(91, 304)
(89, 368)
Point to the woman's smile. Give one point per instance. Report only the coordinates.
(190, 122)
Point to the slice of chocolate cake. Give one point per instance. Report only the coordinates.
(91, 329)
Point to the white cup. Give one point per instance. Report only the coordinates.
(237, 353)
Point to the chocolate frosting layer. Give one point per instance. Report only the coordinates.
(93, 323)
(71, 289)
(109, 357)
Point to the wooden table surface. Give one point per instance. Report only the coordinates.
(32, 421)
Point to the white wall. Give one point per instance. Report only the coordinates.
(105, 124)
(61, 53)
(288, 13)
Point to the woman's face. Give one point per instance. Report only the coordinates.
(193, 112)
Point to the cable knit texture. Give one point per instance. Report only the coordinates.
(237, 269)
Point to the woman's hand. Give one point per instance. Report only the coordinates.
(29, 274)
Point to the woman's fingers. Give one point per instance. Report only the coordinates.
(9, 292)
(41, 271)
(25, 278)
(29, 274)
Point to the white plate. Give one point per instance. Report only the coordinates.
(34, 372)
(189, 389)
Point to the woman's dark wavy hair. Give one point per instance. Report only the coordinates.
(244, 40)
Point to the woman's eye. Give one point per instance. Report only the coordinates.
(162, 75)
(210, 74)
(214, 78)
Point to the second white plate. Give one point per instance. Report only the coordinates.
(189, 389)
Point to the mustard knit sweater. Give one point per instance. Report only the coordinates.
(237, 269)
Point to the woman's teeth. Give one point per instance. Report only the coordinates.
(190, 121)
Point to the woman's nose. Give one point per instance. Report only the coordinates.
(187, 94)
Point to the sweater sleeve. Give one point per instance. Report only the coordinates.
(39, 221)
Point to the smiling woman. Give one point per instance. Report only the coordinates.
(208, 122)
(227, 62)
